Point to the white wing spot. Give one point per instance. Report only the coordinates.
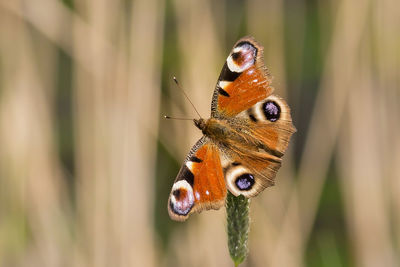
(182, 206)
(258, 113)
(232, 65)
(224, 84)
(237, 49)
(247, 55)
(189, 164)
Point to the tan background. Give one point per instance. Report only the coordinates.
(87, 162)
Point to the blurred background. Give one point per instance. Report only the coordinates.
(87, 160)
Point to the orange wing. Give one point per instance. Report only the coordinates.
(271, 130)
(243, 81)
(200, 183)
(268, 126)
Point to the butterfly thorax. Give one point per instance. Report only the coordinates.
(221, 130)
(213, 128)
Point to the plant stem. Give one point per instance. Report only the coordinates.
(237, 211)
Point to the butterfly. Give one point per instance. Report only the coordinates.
(243, 141)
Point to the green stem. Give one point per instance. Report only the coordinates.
(237, 211)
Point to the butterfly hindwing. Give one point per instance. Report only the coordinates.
(271, 124)
(248, 175)
(243, 81)
(268, 125)
(199, 184)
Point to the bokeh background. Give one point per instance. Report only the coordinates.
(87, 160)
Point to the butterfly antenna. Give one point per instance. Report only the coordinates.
(184, 93)
(175, 118)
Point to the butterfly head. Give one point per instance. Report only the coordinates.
(200, 123)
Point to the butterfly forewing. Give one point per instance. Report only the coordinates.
(200, 183)
(243, 81)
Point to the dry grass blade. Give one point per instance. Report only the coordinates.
(32, 188)
(117, 118)
(368, 145)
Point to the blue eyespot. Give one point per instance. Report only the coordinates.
(272, 110)
(245, 181)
